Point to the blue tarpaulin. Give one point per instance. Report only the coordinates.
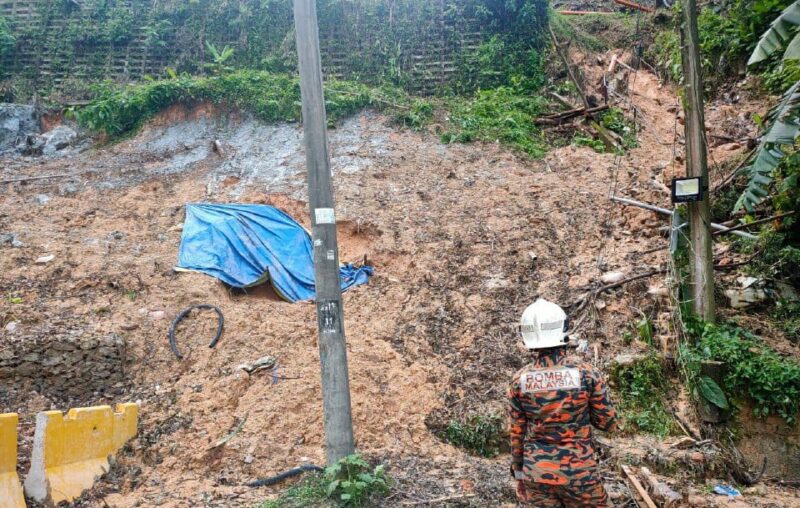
(246, 245)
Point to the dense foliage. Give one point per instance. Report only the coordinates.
(365, 40)
(752, 370)
(727, 34)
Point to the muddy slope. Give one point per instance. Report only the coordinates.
(463, 237)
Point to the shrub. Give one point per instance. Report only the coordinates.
(350, 482)
(479, 434)
(753, 370)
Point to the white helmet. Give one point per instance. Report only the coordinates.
(543, 325)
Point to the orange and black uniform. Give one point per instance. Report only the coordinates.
(553, 404)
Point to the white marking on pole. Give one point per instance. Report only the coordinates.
(325, 215)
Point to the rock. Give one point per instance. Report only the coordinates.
(17, 121)
(496, 282)
(612, 277)
(67, 189)
(658, 291)
(16, 243)
(751, 292)
(6, 238)
(58, 139)
(156, 315)
(42, 199)
(626, 360)
(599, 304)
(10, 327)
(45, 259)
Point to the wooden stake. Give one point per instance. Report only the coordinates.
(638, 486)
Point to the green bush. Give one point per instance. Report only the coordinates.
(503, 114)
(752, 370)
(480, 434)
(350, 482)
(640, 387)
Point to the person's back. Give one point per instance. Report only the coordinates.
(553, 404)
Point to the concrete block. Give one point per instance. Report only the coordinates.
(10, 487)
(70, 452)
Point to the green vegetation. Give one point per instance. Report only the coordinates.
(640, 387)
(599, 32)
(614, 121)
(7, 39)
(595, 144)
(726, 39)
(479, 434)
(752, 370)
(350, 482)
(787, 314)
(376, 47)
(503, 114)
(270, 97)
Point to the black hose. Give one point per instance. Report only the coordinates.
(272, 480)
(182, 315)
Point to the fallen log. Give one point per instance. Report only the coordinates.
(755, 222)
(567, 115)
(633, 5)
(664, 211)
(32, 178)
(660, 491)
(584, 13)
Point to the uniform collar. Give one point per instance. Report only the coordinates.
(551, 357)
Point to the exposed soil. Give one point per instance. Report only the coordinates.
(462, 237)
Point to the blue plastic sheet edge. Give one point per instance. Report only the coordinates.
(246, 245)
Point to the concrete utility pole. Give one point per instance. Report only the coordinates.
(339, 440)
(702, 262)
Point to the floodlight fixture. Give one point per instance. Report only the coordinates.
(688, 189)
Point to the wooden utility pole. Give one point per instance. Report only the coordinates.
(702, 262)
(338, 418)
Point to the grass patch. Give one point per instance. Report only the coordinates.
(350, 482)
(752, 369)
(641, 404)
(479, 434)
(504, 114)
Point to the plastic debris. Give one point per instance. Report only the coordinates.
(726, 490)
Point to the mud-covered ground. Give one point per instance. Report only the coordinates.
(462, 237)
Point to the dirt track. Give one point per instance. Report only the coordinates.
(462, 237)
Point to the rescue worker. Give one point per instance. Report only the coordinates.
(553, 404)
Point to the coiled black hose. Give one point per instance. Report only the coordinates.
(272, 480)
(183, 314)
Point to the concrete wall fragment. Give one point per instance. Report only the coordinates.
(70, 452)
(10, 488)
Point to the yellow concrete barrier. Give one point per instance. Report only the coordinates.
(10, 488)
(70, 452)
